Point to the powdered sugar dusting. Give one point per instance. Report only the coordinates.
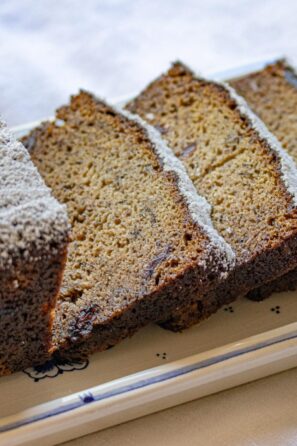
(29, 215)
(199, 208)
(287, 164)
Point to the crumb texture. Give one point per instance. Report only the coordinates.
(199, 208)
(231, 166)
(135, 220)
(272, 94)
(236, 164)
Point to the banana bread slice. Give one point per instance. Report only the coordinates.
(33, 241)
(239, 167)
(272, 94)
(142, 238)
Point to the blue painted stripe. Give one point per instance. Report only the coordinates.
(142, 383)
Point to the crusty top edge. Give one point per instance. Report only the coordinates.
(31, 219)
(287, 164)
(199, 208)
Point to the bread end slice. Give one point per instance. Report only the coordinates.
(34, 234)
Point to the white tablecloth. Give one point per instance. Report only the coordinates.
(51, 48)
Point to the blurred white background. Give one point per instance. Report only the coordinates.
(51, 48)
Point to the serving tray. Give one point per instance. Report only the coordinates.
(154, 370)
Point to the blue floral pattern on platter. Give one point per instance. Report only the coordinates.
(87, 398)
(55, 367)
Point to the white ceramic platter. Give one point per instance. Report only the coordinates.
(154, 370)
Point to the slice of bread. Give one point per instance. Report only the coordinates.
(239, 167)
(272, 94)
(33, 242)
(142, 238)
